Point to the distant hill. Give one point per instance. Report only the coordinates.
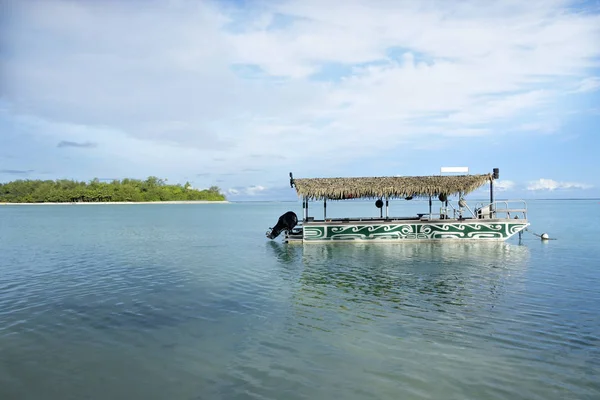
(126, 190)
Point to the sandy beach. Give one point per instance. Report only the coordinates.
(116, 202)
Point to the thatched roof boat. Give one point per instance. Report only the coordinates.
(389, 187)
(496, 220)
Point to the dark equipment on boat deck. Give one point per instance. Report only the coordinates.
(379, 204)
(286, 222)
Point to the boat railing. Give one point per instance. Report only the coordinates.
(497, 209)
(502, 209)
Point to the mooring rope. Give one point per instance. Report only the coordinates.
(543, 236)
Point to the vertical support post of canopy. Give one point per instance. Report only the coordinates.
(430, 207)
(304, 208)
(491, 196)
(495, 175)
(387, 203)
(307, 208)
(324, 208)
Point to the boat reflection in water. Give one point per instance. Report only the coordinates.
(423, 279)
(447, 272)
(285, 253)
(403, 317)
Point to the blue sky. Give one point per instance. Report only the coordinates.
(238, 94)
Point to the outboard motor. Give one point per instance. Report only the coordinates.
(286, 222)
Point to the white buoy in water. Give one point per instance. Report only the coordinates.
(545, 236)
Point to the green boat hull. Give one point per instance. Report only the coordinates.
(497, 230)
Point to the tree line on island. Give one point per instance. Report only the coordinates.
(126, 190)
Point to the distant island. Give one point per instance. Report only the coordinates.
(152, 189)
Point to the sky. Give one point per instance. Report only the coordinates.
(238, 94)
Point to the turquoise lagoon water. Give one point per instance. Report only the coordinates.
(193, 302)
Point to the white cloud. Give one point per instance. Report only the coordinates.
(254, 190)
(247, 191)
(550, 184)
(503, 185)
(590, 84)
(157, 87)
(547, 125)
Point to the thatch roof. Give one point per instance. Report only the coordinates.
(391, 187)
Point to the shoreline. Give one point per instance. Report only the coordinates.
(117, 203)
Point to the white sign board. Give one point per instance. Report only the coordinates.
(464, 170)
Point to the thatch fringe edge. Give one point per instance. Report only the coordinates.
(390, 187)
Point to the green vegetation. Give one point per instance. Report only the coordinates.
(64, 191)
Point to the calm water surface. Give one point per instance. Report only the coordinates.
(193, 302)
